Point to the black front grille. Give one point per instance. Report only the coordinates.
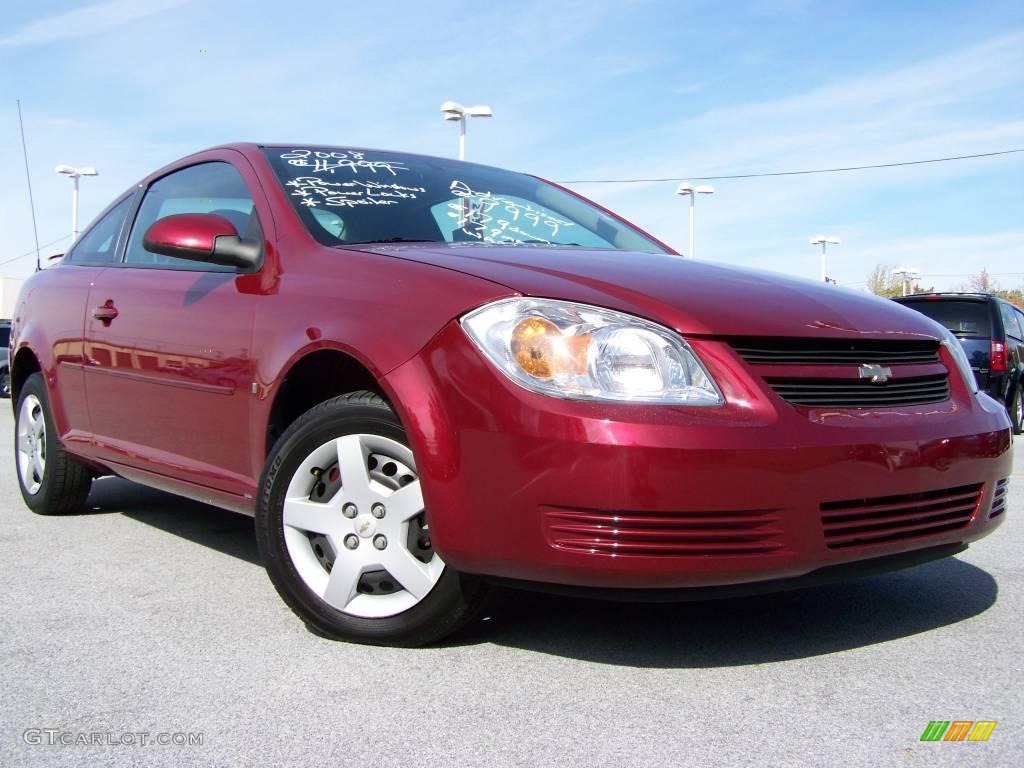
(999, 499)
(862, 393)
(781, 351)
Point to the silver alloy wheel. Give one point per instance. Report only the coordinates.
(1018, 408)
(31, 443)
(355, 530)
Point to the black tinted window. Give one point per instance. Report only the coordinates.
(206, 188)
(964, 318)
(99, 244)
(5, 335)
(1010, 321)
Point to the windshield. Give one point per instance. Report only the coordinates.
(348, 196)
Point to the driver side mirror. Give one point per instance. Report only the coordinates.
(204, 237)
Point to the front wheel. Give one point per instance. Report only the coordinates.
(344, 535)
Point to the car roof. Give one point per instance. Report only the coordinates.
(951, 295)
(254, 147)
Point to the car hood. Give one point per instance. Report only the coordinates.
(695, 298)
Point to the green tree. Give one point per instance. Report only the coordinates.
(882, 283)
(983, 282)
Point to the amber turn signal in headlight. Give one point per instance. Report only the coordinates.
(572, 350)
(542, 350)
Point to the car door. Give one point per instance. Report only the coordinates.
(1014, 341)
(170, 370)
(66, 295)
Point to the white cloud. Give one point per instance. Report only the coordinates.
(84, 22)
(964, 101)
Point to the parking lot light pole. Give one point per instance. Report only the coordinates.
(824, 242)
(687, 189)
(75, 174)
(454, 111)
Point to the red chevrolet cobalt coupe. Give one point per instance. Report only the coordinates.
(424, 377)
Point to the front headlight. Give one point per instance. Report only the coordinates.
(576, 351)
(956, 349)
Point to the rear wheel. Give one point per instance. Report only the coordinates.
(344, 534)
(51, 482)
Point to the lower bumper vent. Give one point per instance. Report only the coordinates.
(862, 522)
(999, 499)
(672, 534)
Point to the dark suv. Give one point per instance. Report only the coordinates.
(991, 331)
(5, 372)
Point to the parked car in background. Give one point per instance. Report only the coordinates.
(5, 371)
(424, 377)
(991, 331)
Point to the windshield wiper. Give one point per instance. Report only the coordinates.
(540, 242)
(392, 240)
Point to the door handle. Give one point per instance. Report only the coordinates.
(105, 312)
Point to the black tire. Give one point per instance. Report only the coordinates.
(1015, 408)
(454, 601)
(5, 383)
(64, 485)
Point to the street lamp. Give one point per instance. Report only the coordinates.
(689, 189)
(75, 173)
(824, 242)
(454, 111)
(906, 276)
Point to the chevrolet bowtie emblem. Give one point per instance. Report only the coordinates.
(877, 373)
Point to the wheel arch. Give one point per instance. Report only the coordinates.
(24, 364)
(1016, 377)
(315, 376)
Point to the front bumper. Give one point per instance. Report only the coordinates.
(528, 487)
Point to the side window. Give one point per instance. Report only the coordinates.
(99, 244)
(207, 188)
(1010, 321)
(329, 221)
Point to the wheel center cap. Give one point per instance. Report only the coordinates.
(365, 525)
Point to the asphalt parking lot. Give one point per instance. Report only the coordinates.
(151, 614)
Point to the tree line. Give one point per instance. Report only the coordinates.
(884, 281)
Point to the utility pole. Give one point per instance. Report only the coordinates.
(906, 277)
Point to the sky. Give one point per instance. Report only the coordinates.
(580, 90)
